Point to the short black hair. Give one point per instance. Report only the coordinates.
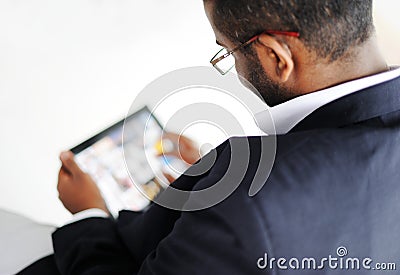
(327, 27)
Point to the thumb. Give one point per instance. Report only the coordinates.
(68, 161)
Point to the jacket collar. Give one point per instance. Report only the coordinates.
(283, 118)
(363, 105)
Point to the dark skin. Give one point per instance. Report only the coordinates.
(285, 60)
(289, 63)
(78, 192)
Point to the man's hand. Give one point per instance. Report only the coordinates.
(77, 190)
(182, 147)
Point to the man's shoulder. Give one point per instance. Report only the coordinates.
(302, 154)
(325, 139)
(278, 145)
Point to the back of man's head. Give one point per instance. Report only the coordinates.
(328, 27)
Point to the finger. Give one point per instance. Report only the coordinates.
(63, 173)
(170, 178)
(62, 178)
(69, 164)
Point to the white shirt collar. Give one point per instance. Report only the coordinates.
(287, 115)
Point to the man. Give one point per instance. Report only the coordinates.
(333, 191)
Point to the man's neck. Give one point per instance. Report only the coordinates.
(360, 62)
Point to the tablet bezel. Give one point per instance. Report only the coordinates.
(104, 133)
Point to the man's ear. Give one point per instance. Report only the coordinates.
(275, 56)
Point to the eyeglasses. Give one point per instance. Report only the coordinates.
(224, 61)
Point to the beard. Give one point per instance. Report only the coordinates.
(271, 92)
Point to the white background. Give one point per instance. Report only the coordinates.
(70, 68)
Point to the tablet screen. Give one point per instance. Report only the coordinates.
(106, 156)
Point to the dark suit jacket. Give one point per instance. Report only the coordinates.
(335, 183)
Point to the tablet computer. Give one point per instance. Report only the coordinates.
(124, 161)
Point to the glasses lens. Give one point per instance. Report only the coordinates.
(225, 64)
